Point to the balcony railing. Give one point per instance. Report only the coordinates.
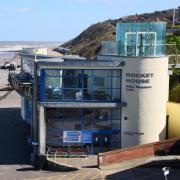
(112, 48)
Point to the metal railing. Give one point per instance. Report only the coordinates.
(51, 153)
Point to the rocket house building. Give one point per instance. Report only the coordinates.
(117, 100)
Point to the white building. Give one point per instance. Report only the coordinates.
(118, 100)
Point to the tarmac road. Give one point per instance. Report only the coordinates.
(15, 151)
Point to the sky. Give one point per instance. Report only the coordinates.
(62, 20)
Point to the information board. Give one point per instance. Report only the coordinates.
(72, 136)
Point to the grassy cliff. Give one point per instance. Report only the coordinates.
(88, 43)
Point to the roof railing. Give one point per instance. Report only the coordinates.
(130, 49)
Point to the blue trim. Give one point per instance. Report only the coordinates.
(82, 79)
(111, 86)
(92, 88)
(77, 76)
(103, 131)
(81, 119)
(111, 118)
(121, 84)
(62, 88)
(92, 117)
(90, 101)
(42, 81)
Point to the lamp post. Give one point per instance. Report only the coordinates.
(166, 171)
(174, 12)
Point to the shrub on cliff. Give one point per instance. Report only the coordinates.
(175, 94)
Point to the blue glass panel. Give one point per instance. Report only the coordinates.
(102, 73)
(73, 94)
(141, 38)
(103, 85)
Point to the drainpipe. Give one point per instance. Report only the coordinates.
(167, 126)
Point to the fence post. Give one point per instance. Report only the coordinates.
(55, 155)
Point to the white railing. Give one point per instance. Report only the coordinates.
(113, 48)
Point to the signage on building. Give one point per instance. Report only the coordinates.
(133, 133)
(77, 137)
(72, 136)
(138, 81)
(86, 137)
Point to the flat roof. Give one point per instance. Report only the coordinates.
(78, 63)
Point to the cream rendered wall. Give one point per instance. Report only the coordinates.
(173, 111)
(146, 106)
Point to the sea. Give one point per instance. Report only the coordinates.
(8, 49)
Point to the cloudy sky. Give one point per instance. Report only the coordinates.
(61, 20)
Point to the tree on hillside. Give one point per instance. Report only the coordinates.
(175, 94)
(174, 79)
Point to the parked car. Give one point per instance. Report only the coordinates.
(10, 66)
(6, 65)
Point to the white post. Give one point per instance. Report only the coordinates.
(42, 131)
(65, 159)
(55, 155)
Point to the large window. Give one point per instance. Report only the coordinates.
(99, 120)
(80, 85)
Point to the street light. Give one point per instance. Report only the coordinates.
(174, 12)
(166, 171)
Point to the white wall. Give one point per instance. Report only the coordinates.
(146, 106)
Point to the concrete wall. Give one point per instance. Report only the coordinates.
(145, 82)
(173, 111)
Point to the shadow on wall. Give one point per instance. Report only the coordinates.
(162, 135)
(149, 171)
(169, 148)
(13, 137)
(175, 149)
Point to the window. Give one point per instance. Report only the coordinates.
(99, 121)
(102, 119)
(116, 116)
(81, 85)
(140, 43)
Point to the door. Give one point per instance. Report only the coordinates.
(105, 142)
(101, 143)
(140, 44)
(146, 44)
